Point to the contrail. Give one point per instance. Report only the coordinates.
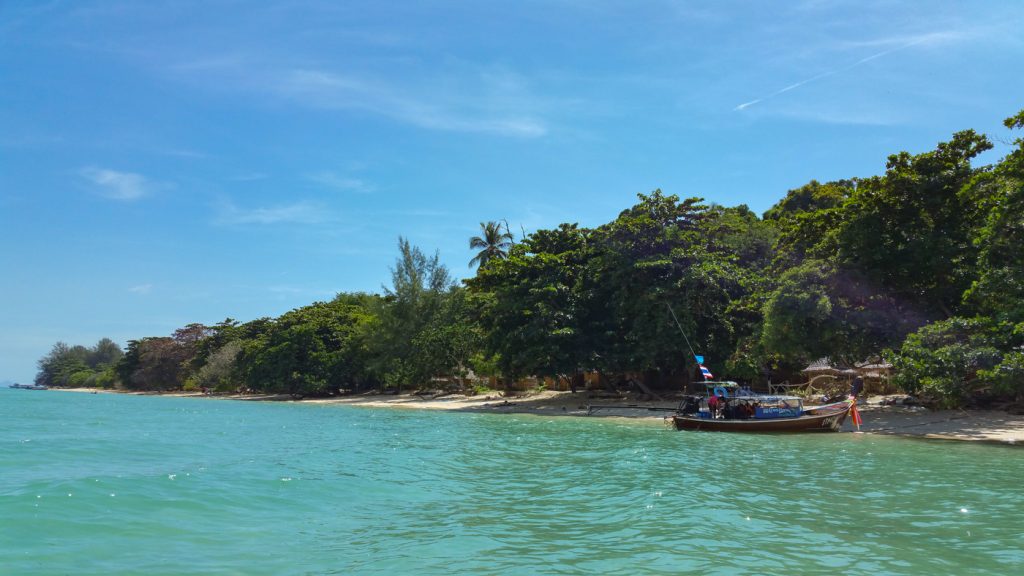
(865, 60)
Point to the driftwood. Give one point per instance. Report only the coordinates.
(643, 388)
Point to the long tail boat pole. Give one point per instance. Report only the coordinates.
(681, 331)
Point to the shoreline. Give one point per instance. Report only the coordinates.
(912, 422)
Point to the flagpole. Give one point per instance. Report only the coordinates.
(681, 331)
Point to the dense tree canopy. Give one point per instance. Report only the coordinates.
(311, 350)
(78, 366)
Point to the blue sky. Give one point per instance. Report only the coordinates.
(167, 162)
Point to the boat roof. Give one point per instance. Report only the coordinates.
(765, 398)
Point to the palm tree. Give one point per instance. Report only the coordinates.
(494, 243)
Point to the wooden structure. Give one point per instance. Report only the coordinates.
(822, 372)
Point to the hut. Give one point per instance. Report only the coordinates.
(874, 371)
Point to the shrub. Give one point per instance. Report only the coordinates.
(961, 361)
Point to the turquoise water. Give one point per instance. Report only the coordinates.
(110, 484)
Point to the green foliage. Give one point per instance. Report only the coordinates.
(999, 289)
(738, 234)
(1007, 377)
(818, 310)
(569, 300)
(421, 326)
(909, 232)
(105, 353)
(666, 252)
(957, 361)
(78, 366)
(484, 365)
(313, 350)
(220, 373)
(445, 344)
(811, 197)
(806, 219)
(529, 303)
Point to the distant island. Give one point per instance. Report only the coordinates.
(919, 270)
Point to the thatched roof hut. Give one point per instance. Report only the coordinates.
(875, 372)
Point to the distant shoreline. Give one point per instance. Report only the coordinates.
(913, 422)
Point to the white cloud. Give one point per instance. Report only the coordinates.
(119, 185)
(297, 213)
(141, 289)
(486, 103)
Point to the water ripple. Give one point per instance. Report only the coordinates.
(226, 488)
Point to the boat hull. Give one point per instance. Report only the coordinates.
(830, 422)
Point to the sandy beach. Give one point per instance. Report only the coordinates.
(910, 421)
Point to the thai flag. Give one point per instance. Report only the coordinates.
(705, 372)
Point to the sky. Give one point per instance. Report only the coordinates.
(169, 162)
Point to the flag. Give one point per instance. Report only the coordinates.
(855, 414)
(705, 372)
(700, 359)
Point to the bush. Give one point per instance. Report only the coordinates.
(1007, 378)
(961, 361)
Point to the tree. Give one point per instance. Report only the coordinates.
(655, 254)
(106, 352)
(806, 219)
(999, 289)
(313, 350)
(154, 363)
(572, 299)
(910, 231)
(447, 342)
(420, 286)
(493, 243)
(220, 371)
(79, 366)
(62, 362)
(811, 197)
(530, 304)
(820, 310)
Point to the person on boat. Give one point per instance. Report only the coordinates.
(713, 405)
(857, 387)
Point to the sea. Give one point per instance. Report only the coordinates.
(119, 484)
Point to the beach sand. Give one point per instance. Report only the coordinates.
(911, 421)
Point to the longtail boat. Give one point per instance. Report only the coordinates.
(729, 408)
